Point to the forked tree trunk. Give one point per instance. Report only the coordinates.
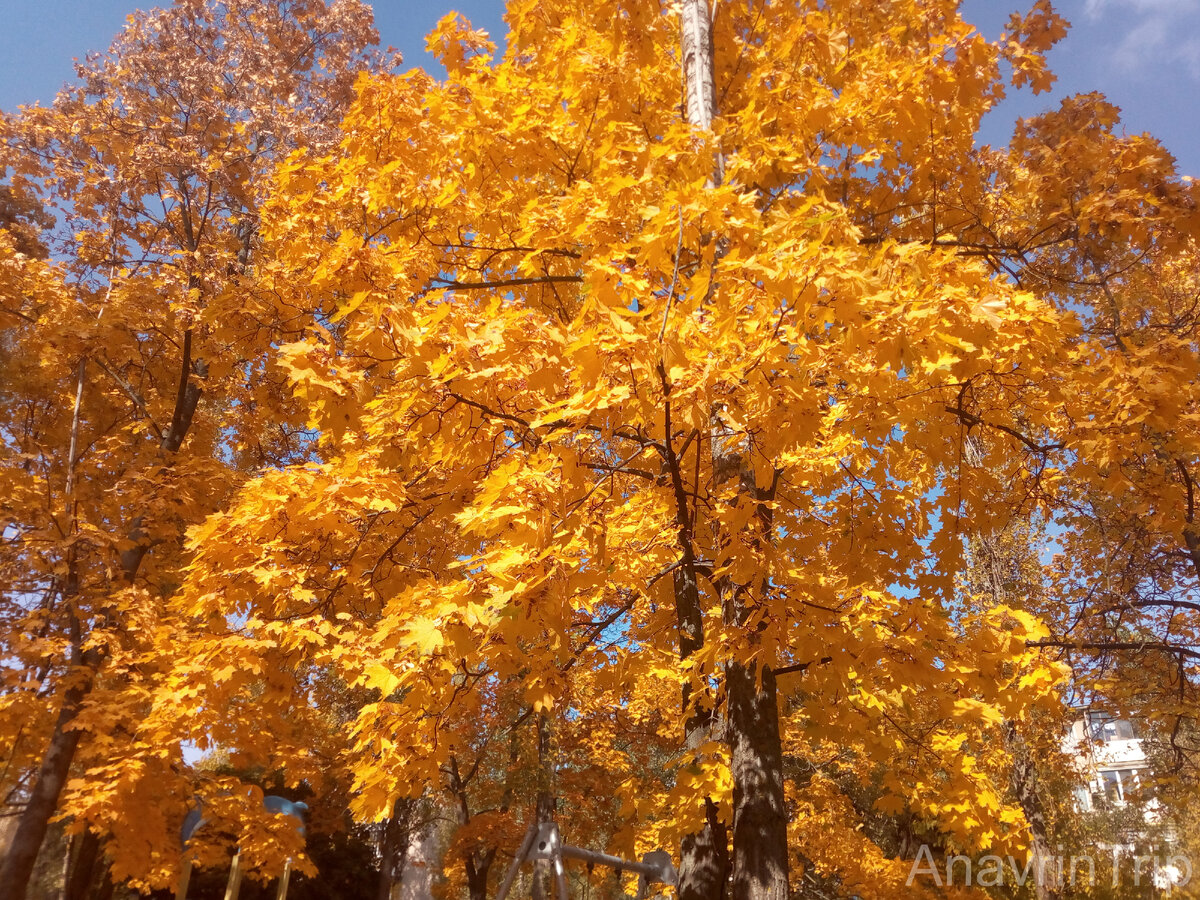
(760, 855)
(477, 875)
(477, 860)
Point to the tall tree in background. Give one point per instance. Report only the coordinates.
(523, 404)
(608, 424)
(156, 163)
(1110, 234)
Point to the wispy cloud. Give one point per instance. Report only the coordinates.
(1141, 37)
(1094, 8)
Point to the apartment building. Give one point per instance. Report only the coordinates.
(1113, 763)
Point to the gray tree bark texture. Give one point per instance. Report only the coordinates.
(760, 853)
(699, 78)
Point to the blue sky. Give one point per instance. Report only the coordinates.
(1143, 54)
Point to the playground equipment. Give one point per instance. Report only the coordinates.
(195, 819)
(543, 843)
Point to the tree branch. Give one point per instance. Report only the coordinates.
(137, 398)
(972, 419)
(1136, 646)
(505, 282)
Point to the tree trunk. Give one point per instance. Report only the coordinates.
(699, 78)
(1024, 785)
(394, 847)
(52, 776)
(545, 805)
(83, 866)
(477, 874)
(760, 850)
(107, 889)
(760, 853)
(18, 863)
(704, 855)
(704, 859)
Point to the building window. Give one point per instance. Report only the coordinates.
(1083, 798)
(1107, 728)
(1121, 786)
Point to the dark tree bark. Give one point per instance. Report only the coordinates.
(52, 776)
(106, 889)
(704, 855)
(397, 832)
(1025, 786)
(760, 850)
(704, 860)
(83, 866)
(478, 865)
(760, 853)
(477, 861)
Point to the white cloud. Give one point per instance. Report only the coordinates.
(1141, 36)
(1096, 8)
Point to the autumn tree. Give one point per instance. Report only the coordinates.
(156, 164)
(618, 404)
(1110, 234)
(555, 443)
(23, 218)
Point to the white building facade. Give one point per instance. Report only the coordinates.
(1110, 757)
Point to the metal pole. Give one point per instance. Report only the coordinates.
(560, 876)
(235, 878)
(613, 862)
(283, 880)
(654, 868)
(185, 876)
(516, 863)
